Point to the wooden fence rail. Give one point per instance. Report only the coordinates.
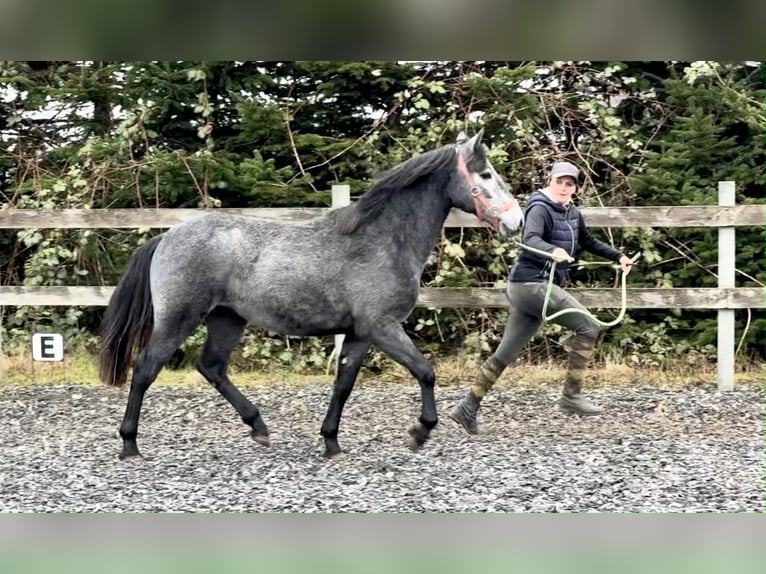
(606, 298)
(686, 216)
(725, 299)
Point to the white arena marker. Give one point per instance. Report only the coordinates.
(47, 347)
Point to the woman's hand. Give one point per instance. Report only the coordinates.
(560, 255)
(626, 264)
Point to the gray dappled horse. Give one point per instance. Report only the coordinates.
(355, 271)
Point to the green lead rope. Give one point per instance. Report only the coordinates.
(624, 295)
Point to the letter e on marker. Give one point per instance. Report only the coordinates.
(47, 347)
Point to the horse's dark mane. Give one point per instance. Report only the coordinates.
(390, 183)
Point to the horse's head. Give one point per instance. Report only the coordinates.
(481, 190)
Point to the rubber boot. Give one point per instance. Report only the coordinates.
(466, 411)
(572, 399)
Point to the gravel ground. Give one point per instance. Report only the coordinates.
(689, 450)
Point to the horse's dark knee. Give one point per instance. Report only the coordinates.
(208, 369)
(214, 371)
(425, 375)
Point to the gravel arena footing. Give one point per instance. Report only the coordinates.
(653, 450)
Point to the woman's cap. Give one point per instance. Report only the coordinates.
(562, 168)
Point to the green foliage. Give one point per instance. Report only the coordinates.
(261, 351)
(239, 134)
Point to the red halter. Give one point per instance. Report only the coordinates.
(482, 204)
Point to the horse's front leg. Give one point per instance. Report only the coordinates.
(349, 363)
(392, 340)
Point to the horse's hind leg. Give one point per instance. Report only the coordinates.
(224, 330)
(158, 351)
(349, 363)
(392, 340)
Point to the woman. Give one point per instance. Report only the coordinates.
(552, 224)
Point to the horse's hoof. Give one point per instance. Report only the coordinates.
(416, 438)
(132, 457)
(340, 455)
(413, 444)
(261, 439)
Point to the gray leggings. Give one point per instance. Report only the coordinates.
(525, 317)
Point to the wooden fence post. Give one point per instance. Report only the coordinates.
(726, 264)
(341, 197)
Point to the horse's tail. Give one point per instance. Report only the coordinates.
(129, 318)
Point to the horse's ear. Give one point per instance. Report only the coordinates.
(475, 142)
(473, 149)
(462, 137)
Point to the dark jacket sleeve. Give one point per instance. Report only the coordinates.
(535, 223)
(593, 245)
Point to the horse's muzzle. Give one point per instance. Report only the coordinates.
(510, 223)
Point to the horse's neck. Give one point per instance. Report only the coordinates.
(416, 220)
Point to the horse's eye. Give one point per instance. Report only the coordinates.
(485, 175)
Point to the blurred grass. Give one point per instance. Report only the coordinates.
(452, 371)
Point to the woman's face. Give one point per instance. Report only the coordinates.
(562, 188)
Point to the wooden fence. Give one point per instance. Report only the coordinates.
(725, 298)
